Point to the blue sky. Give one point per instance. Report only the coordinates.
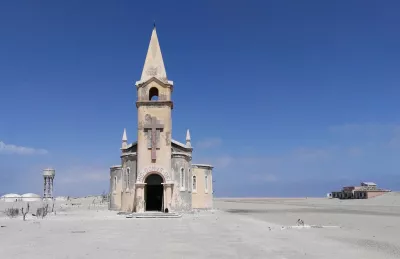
(285, 98)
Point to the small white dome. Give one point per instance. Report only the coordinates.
(11, 197)
(31, 197)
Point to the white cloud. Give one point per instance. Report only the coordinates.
(19, 150)
(209, 143)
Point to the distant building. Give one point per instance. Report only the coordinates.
(364, 191)
(31, 197)
(11, 197)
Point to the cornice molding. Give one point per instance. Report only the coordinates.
(169, 84)
(155, 103)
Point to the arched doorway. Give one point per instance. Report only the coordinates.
(153, 193)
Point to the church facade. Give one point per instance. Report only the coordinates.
(156, 172)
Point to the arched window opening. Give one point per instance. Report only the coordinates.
(115, 183)
(153, 94)
(194, 184)
(189, 175)
(182, 179)
(128, 177)
(206, 183)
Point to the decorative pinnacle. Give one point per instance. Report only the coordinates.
(188, 139)
(187, 135)
(124, 137)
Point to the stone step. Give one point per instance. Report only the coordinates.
(154, 215)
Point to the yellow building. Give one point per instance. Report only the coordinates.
(156, 171)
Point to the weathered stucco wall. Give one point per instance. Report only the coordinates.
(163, 153)
(164, 93)
(202, 196)
(128, 194)
(115, 188)
(162, 112)
(181, 195)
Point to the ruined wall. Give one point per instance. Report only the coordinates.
(181, 195)
(115, 187)
(202, 196)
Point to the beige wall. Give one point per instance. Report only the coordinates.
(163, 114)
(127, 199)
(116, 189)
(162, 111)
(202, 198)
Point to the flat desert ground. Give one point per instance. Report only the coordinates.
(236, 228)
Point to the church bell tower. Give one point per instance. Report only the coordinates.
(154, 106)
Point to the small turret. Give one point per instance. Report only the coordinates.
(124, 140)
(188, 140)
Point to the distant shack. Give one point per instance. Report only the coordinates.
(366, 190)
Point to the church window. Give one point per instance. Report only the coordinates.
(128, 175)
(189, 175)
(115, 183)
(153, 94)
(194, 184)
(206, 183)
(182, 179)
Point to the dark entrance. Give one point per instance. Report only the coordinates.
(153, 192)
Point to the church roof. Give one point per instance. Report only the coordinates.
(131, 145)
(203, 166)
(179, 143)
(173, 141)
(154, 63)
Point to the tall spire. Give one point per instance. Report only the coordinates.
(154, 64)
(124, 140)
(188, 140)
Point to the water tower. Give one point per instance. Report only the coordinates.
(48, 176)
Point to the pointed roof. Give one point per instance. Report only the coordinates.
(154, 63)
(124, 137)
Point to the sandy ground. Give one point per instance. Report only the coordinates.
(238, 228)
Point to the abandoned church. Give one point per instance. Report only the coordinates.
(156, 172)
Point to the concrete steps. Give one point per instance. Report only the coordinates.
(153, 214)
